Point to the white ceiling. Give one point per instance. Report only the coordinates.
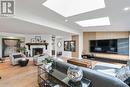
(11, 25)
(33, 18)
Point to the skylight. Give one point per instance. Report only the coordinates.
(68, 8)
(94, 22)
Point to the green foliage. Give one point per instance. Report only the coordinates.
(21, 49)
(47, 60)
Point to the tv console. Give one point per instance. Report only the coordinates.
(102, 59)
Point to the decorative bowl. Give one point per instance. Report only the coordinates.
(75, 74)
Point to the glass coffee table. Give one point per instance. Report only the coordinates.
(58, 79)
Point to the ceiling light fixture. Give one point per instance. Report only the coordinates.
(66, 20)
(68, 8)
(126, 8)
(94, 22)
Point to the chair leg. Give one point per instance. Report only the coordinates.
(0, 77)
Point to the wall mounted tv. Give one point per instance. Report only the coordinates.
(103, 46)
(112, 46)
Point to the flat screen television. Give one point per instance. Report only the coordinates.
(104, 46)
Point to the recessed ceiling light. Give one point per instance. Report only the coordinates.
(126, 8)
(68, 8)
(94, 22)
(66, 20)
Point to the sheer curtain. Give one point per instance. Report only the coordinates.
(10, 46)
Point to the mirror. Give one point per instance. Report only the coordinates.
(59, 44)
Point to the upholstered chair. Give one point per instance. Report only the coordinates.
(15, 57)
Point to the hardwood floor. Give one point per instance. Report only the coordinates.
(16, 76)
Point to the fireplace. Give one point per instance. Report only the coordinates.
(37, 51)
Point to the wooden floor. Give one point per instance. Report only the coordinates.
(16, 76)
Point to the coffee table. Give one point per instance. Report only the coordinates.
(81, 62)
(23, 62)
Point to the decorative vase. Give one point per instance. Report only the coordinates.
(75, 74)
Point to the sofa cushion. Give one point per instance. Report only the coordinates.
(17, 56)
(102, 80)
(98, 79)
(123, 73)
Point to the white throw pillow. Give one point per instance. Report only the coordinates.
(123, 73)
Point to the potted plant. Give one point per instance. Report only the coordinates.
(22, 49)
(47, 63)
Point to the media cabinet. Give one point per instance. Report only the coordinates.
(103, 59)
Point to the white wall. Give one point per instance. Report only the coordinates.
(28, 38)
(129, 45)
(9, 35)
(48, 39)
(80, 44)
(62, 39)
(0, 46)
(59, 49)
(43, 37)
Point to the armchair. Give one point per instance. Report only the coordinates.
(15, 57)
(37, 59)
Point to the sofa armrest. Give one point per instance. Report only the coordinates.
(127, 81)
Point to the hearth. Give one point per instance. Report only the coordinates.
(37, 51)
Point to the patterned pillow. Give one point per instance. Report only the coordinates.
(123, 73)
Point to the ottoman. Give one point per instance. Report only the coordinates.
(23, 62)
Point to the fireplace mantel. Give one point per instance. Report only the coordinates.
(29, 44)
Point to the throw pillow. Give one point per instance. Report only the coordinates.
(17, 56)
(123, 73)
(128, 64)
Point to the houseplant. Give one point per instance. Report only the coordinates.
(47, 63)
(22, 49)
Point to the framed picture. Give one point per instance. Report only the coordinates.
(33, 40)
(72, 46)
(66, 45)
(38, 38)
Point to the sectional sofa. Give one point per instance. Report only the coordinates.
(98, 79)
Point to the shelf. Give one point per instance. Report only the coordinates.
(36, 43)
(29, 44)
